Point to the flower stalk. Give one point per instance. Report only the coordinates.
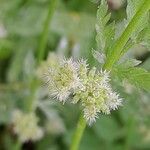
(78, 134)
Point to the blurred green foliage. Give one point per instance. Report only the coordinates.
(73, 23)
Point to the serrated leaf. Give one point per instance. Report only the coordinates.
(105, 32)
(139, 77)
(139, 36)
(132, 7)
(136, 76)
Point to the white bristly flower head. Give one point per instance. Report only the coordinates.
(25, 125)
(90, 87)
(95, 94)
(63, 79)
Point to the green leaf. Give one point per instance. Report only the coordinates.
(105, 32)
(136, 76)
(132, 8)
(117, 49)
(142, 34)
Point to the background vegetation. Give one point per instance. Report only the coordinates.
(29, 31)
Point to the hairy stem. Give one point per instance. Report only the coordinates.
(120, 43)
(44, 35)
(78, 134)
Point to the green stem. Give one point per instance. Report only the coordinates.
(78, 134)
(44, 36)
(120, 43)
(17, 145)
(41, 51)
